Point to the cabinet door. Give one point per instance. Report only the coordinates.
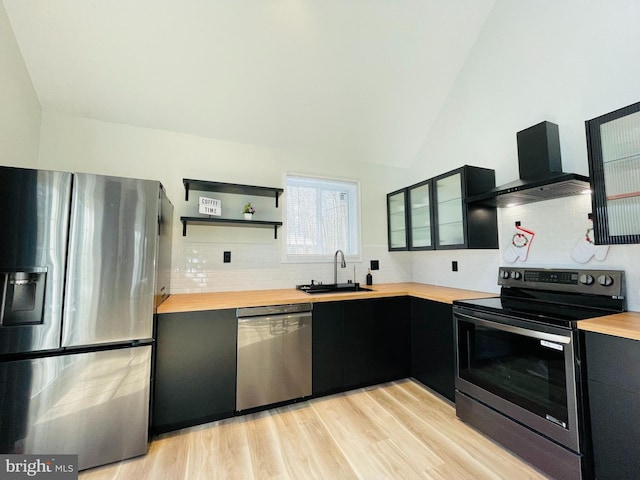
(614, 404)
(359, 348)
(434, 213)
(460, 224)
(450, 231)
(392, 339)
(420, 229)
(195, 375)
(613, 142)
(327, 348)
(376, 341)
(397, 220)
(433, 346)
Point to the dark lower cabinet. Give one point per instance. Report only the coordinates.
(613, 364)
(376, 341)
(360, 342)
(391, 338)
(359, 348)
(195, 369)
(327, 347)
(356, 343)
(433, 346)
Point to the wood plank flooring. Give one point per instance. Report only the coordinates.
(397, 430)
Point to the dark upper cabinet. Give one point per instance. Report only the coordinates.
(397, 220)
(436, 215)
(420, 216)
(613, 144)
(460, 224)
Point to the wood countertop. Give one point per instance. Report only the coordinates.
(626, 325)
(191, 302)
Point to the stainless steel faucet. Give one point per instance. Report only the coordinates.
(343, 264)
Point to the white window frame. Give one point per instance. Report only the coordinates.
(329, 256)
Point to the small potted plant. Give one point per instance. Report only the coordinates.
(248, 211)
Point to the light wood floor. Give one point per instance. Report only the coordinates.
(397, 430)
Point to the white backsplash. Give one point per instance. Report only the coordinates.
(198, 267)
(477, 269)
(558, 225)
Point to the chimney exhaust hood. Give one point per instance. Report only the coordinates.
(540, 167)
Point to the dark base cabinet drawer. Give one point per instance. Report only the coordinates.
(613, 364)
(195, 368)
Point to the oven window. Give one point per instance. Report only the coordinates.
(526, 371)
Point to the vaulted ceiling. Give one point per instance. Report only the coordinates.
(353, 79)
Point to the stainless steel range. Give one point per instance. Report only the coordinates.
(518, 376)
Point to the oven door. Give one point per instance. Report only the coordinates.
(523, 370)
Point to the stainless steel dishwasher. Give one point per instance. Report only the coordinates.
(274, 354)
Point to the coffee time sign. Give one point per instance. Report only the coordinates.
(209, 206)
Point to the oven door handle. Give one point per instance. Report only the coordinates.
(518, 330)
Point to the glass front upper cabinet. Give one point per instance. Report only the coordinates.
(434, 213)
(397, 220)
(613, 143)
(421, 231)
(449, 208)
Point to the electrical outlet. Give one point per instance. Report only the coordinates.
(226, 258)
(454, 266)
(375, 265)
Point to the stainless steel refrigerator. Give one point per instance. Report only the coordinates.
(80, 274)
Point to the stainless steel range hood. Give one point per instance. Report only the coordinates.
(541, 175)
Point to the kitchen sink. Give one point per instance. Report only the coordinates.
(315, 288)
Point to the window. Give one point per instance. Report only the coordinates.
(322, 217)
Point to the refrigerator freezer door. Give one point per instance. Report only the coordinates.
(92, 404)
(34, 218)
(111, 260)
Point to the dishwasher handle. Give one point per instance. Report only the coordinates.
(267, 318)
(278, 324)
(296, 308)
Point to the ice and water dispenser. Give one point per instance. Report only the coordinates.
(22, 296)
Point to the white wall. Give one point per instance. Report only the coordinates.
(19, 105)
(78, 144)
(565, 62)
(560, 61)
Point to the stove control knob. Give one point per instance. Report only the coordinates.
(605, 280)
(516, 275)
(504, 273)
(586, 279)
